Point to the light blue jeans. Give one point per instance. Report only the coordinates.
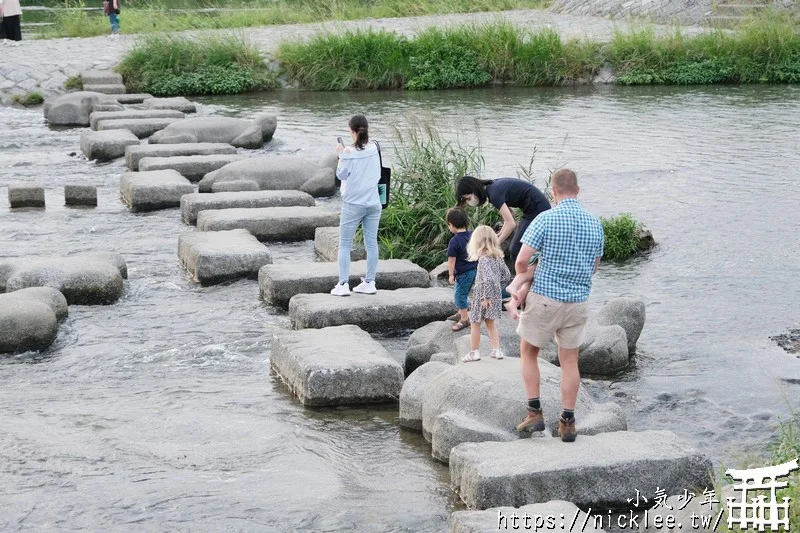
(114, 20)
(352, 216)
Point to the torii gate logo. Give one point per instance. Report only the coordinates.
(755, 511)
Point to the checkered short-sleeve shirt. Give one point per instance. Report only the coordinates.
(569, 239)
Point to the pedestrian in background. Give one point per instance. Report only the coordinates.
(10, 15)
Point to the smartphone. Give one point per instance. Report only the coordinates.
(339, 139)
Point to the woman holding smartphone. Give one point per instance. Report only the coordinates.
(359, 171)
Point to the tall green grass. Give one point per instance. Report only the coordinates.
(211, 64)
(621, 241)
(150, 17)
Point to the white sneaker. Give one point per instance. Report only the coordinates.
(474, 355)
(366, 287)
(341, 289)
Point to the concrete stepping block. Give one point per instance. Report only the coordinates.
(97, 116)
(141, 127)
(600, 471)
(20, 195)
(84, 195)
(278, 283)
(134, 154)
(238, 132)
(157, 189)
(384, 311)
(326, 244)
(132, 98)
(178, 103)
(29, 319)
(413, 389)
(73, 109)
(269, 223)
(191, 167)
(101, 77)
(111, 88)
(566, 518)
(215, 256)
(192, 204)
(85, 279)
(106, 145)
(336, 366)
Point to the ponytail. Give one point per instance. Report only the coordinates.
(358, 124)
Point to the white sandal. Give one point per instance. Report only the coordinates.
(474, 355)
(497, 354)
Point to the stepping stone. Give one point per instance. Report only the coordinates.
(191, 167)
(278, 283)
(101, 77)
(600, 471)
(85, 195)
(84, 279)
(384, 311)
(326, 244)
(276, 173)
(25, 196)
(157, 189)
(29, 319)
(235, 131)
(133, 98)
(413, 389)
(215, 256)
(106, 145)
(178, 103)
(134, 154)
(97, 116)
(141, 127)
(192, 204)
(105, 89)
(269, 223)
(73, 109)
(566, 518)
(336, 366)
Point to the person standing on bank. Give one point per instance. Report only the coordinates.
(111, 8)
(359, 171)
(569, 240)
(10, 14)
(505, 194)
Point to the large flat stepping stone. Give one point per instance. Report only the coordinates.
(326, 244)
(178, 103)
(134, 154)
(192, 204)
(269, 223)
(29, 319)
(97, 116)
(106, 145)
(236, 131)
(157, 189)
(276, 173)
(132, 98)
(278, 283)
(111, 88)
(73, 109)
(336, 366)
(566, 518)
(141, 127)
(215, 256)
(599, 471)
(191, 167)
(101, 77)
(84, 279)
(384, 311)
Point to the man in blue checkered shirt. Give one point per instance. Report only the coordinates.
(569, 240)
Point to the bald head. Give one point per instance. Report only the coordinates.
(565, 184)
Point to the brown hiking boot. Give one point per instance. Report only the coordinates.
(566, 429)
(533, 421)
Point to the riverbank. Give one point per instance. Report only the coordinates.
(44, 65)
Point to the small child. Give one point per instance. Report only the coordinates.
(462, 271)
(487, 298)
(519, 288)
(111, 9)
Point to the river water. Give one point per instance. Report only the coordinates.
(159, 413)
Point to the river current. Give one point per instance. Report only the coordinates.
(159, 413)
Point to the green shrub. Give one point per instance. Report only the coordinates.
(74, 83)
(621, 241)
(168, 66)
(444, 60)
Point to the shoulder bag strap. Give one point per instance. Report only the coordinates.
(380, 158)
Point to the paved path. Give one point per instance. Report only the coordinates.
(44, 65)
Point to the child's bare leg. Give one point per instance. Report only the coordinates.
(521, 279)
(512, 306)
(475, 336)
(494, 335)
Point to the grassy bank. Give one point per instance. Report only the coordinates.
(71, 21)
(220, 64)
(765, 49)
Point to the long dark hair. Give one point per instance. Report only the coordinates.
(471, 185)
(359, 125)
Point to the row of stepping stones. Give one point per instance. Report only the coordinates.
(22, 195)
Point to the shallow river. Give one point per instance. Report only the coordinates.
(159, 413)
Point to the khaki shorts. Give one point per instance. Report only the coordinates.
(544, 317)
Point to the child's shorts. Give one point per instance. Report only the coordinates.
(464, 284)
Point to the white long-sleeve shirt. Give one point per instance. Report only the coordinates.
(9, 8)
(359, 171)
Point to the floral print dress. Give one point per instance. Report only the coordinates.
(492, 275)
